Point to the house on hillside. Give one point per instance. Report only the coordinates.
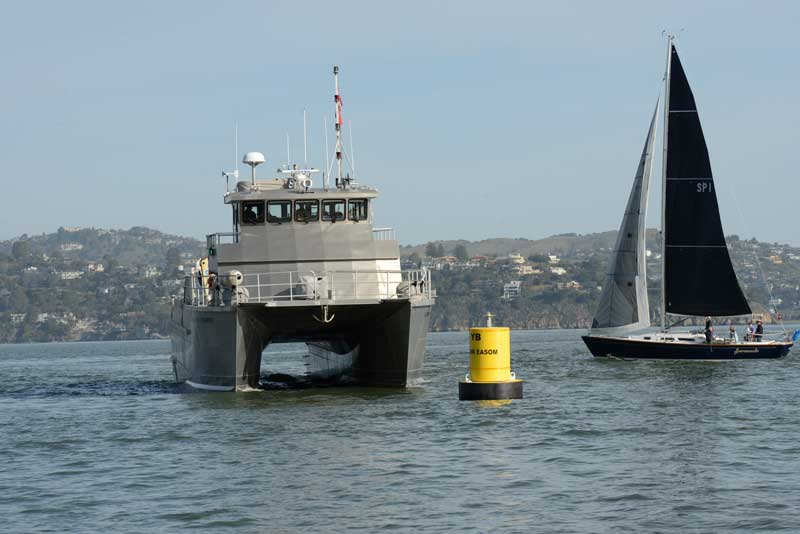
(512, 290)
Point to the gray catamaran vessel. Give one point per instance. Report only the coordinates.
(302, 264)
(697, 274)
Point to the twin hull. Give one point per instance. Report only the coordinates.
(377, 343)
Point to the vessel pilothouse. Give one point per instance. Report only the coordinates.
(302, 264)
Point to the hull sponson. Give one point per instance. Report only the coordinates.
(223, 346)
(602, 346)
(203, 346)
(391, 350)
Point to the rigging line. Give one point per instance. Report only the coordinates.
(758, 261)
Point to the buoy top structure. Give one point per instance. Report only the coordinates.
(490, 376)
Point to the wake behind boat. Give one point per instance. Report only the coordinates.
(697, 276)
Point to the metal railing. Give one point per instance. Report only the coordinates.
(221, 238)
(320, 286)
(384, 234)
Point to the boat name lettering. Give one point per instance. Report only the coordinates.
(476, 336)
(480, 352)
(703, 187)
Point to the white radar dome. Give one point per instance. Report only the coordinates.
(253, 158)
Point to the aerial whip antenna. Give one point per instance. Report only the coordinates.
(235, 172)
(352, 151)
(327, 155)
(305, 141)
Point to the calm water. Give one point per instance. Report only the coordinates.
(94, 437)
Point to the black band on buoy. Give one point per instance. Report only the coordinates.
(490, 390)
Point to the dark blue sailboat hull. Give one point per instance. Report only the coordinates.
(605, 346)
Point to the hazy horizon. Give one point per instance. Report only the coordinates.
(473, 120)
(402, 243)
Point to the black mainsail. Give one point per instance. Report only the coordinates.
(698, 275)
(623, 306)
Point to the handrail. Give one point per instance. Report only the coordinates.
(324, 286)
(384, 234)
(222, 238)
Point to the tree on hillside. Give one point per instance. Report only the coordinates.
(173, 260)
(430, 250)
(18, 300)
(414, 257)
(20, 249)
(109, 263)
(439, 250)
(460, 252)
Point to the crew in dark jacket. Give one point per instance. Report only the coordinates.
(709, 330)
(759, 331)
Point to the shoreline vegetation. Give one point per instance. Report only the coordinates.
(89, 284)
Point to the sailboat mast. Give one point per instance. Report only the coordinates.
(667, 76)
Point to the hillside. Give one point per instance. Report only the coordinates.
(88, 283)
(136, 246)
(561, 244)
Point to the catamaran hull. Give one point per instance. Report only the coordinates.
(635, 349)
(374, 344)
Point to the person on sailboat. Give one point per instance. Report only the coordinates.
(759, 334)
(732, 335)
(709, 330)
(751, 331)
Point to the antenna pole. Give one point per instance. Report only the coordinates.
(236, 149)
(288, 151)
(667, 77)
(352, 151)
(327, 156)
(305, 142)
(337, 99)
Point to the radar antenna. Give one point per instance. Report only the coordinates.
(253, 159)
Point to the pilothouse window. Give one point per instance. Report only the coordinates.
(252, 212)
(306, 210)
(279, 211)
(357, 209)
(333, 210)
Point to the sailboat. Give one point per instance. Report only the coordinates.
(697, 277)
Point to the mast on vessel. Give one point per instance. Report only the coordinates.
(337, 99)
(667, 75)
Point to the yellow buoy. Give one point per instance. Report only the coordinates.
(490, 376)
(490, 354)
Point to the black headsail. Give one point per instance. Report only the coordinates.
(698, 276)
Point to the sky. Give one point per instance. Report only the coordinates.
(473, 119)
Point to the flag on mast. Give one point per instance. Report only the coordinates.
(339, 119)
